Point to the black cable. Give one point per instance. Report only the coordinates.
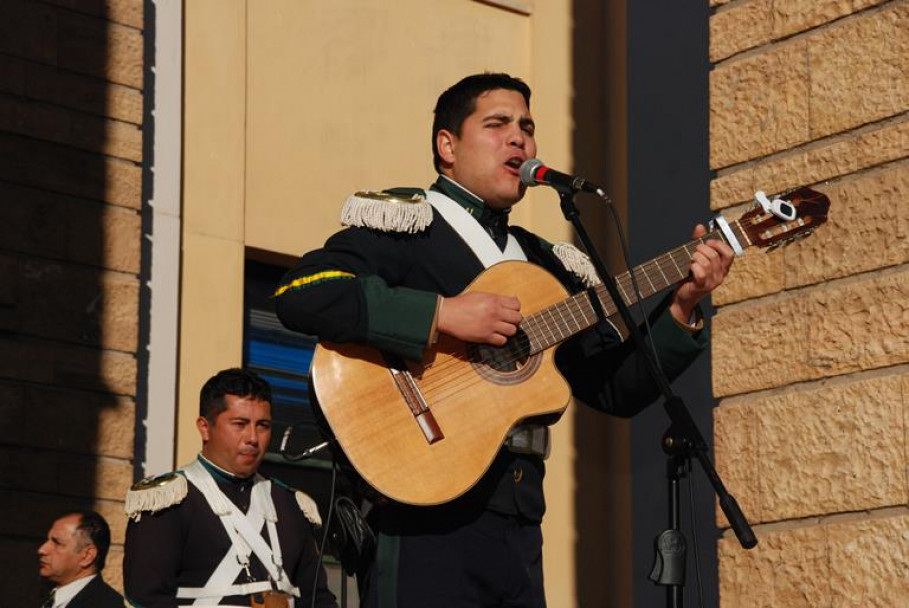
(652, 345)
(634, 282)
(331, 504)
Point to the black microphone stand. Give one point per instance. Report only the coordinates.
(681, 442)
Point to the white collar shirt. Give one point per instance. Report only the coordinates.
(63, 595)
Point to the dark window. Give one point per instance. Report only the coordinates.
(283, 357)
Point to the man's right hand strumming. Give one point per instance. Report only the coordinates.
(480, 317)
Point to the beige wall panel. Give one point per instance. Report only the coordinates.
(759, 105)
(830, 449)
(857, 563)
(743, 26)
(853, 325)
(751, 23)
(215, 107)
(551, 76)
(790, 569)
(46, 472)
(214, 180)
(68, 365)
(43, 418)
(836, 79)
(835, 157)
(341, 95)
(211, 325)
(859, 71)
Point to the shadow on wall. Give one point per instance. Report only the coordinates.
(646, 146)
(70, 193)
(603, 500)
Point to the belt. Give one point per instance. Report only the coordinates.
(529, 439)
(236, 589)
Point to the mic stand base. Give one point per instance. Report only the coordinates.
(671, 546)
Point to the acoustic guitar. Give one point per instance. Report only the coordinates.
(423, 433)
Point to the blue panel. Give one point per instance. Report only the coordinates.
(285, 366)
(279, 357)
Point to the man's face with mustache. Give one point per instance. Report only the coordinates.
(239, 436)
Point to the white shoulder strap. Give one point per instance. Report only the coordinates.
(473, 234)
(243, 530)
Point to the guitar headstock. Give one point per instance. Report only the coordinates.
(766, 229)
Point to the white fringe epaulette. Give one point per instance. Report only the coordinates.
(153, 494)
(577, 262)
(309, 507)
(387, 212)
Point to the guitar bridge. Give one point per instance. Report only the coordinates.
(412, 396)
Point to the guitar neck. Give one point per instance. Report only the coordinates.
(552, 325)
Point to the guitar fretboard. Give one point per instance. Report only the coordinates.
(564, 319)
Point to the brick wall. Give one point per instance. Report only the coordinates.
(71, 78)
(811, 342)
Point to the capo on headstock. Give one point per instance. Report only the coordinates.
(719, 222)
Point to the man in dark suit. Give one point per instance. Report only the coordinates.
(72, 558)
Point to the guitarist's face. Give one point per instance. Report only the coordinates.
(237, 440)
(486, 156)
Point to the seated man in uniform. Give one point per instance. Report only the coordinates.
(395, 280)
(215, 532)
(72, 559)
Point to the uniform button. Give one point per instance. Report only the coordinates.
(518, 474)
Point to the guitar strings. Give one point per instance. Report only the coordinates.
(536, 325)
(542, 333)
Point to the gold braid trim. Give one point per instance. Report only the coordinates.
(313, 278)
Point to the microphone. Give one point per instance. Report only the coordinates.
(308, 453)
(534, 173)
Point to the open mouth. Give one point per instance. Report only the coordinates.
(514, 163)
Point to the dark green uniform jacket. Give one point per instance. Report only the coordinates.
(380, 288)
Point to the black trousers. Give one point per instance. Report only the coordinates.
(491, 560)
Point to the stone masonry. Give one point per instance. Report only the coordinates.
(811, 341)
(71, 113)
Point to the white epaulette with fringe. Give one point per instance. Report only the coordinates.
(387, 212)
(577, 262)
(153, 494)
(309, 507)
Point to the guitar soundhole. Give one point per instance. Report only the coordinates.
(507, 364)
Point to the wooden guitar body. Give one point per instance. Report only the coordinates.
(473, 399)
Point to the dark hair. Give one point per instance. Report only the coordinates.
(460, 101)
(234, 381)
(92, 527)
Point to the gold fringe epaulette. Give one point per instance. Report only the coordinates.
(387, 212)
(153, 494)
(577, 262)
(309, 507)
